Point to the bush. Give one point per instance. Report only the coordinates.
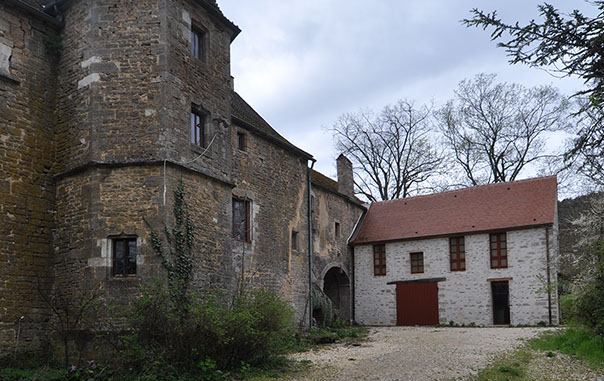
(253, 329)
(586, 304)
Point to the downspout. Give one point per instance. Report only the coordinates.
(549, 286)
(309, 210)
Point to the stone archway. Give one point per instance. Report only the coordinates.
(336, 286)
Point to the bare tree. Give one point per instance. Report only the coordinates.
(391, 151)
(494, 130)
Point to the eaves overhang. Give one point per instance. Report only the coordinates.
(40, 15)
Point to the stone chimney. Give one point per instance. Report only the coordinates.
(345, 179)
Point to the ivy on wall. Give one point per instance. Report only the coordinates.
(177, 253)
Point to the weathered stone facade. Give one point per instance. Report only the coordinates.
(96, 100)
(464, 297)
(27, 161)
(335, 216)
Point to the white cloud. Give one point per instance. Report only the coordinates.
(301, 63)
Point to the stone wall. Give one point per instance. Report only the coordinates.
(331, 250)
(273, 179)
(110, 81)
(201, 83)
(465, 296)
(27, 102)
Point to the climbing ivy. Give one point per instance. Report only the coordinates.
(178, 259)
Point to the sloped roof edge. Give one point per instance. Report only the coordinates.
(245, 116)
(518, 204)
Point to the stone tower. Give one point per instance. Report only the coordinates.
(101, 97)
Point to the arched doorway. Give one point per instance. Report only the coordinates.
(337, 287)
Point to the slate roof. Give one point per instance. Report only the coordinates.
(483, 208)
(243, 114)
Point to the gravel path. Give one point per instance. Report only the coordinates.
(413, 353)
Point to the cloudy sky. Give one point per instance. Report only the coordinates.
(301, 63)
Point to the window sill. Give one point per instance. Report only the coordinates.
(9, 77)
(199, 150)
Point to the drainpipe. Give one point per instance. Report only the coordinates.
(309, 209)
(549, 287)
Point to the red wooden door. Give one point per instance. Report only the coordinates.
(417, 304)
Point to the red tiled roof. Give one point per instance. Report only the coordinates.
(488, 207)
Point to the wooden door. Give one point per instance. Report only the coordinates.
(417, 304)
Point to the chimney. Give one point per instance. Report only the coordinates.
(345, 180)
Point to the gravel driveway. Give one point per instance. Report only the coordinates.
(414, 353)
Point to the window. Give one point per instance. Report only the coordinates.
(241, 141)
(295, 244)
(499, 251)
(457, 249)
(198, 130)
(197, 43)
(417, 263)
(241, 220)
(337, 229)
(379, 260)
(124, 257)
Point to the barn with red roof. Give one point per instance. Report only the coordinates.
(484, 255)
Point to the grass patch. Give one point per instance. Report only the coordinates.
(509, 367)
(43, 373)
(578, 342)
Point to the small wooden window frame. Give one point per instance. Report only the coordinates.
(417, 262)
(198, 42)
(499, 250)
(237, 234)
(457, 253)
(379, 260)
(125, 271)
(198, 127)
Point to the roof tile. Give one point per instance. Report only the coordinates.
(488, 207)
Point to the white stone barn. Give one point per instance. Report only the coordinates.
(482, 255)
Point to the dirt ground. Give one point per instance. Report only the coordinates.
(414, 353)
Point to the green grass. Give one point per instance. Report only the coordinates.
(578, 342)
(36, 374)
(509, 367)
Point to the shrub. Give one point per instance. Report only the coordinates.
(586, 304)
(214, 335)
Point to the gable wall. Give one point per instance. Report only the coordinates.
(465, 296)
